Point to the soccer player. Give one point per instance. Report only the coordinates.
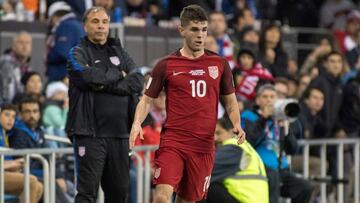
(193, 79)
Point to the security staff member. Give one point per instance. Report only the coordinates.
(103, 85)
(239, 174)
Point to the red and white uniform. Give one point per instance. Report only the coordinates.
(192, 88)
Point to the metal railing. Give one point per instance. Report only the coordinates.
(144, 167)
(143, 172)
(49, 171)
(340, 144)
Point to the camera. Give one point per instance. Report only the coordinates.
(286, 109)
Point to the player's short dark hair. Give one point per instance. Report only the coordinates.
(28, 99)
(225, 123)
(94, 9)
(7, 106)
(192, 13)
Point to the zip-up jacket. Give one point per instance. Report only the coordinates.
(87, 79)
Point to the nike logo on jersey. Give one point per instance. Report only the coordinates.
(97, 61)
(177, 73)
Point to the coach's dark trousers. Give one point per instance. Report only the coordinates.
(104, 160)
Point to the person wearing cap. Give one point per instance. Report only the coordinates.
(265, 133)
(65, 32)
(55, 110)
(13, 64)
(104, 83)
(249, 73)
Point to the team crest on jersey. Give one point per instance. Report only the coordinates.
(81, 151)
(213, 71)
(115, 60)
(157, 172)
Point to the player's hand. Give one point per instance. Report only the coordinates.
(135, 131)
(240, 133)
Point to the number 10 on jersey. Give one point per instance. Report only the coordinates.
(198, 88)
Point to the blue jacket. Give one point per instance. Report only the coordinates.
(2, 142)
(26, 138)
(64, 36)
(263, 135)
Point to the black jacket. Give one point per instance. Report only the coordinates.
(350, 110)
(312, 125)
(333, 92)
(86, 79)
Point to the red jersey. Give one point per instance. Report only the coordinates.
(192, 90)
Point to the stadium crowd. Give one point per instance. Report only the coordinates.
(249, 34)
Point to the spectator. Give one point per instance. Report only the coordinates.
(313, 127)
(350, 109)
(243, 18)
(135, 8)
(329, 83)
(249, 74)
(248, 35)
(281, 88)
(218, 28)
(352, 25)
(297, 13)
(175, 6)
(13, 64)
(333, 13)
(266, 135)
(233, 163)
(8, 8)
(33, 86)
(292, 85)
(272, 54)
(78, 6)
(210, 44)
(65, 33)
(352, 56)
(55, 110)
(29, 134)
(326, 45)
(13, 179)
(304, 81)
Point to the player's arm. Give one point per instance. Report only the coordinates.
(142, 110)
(232, 109)
(231, 106)
(152, 90)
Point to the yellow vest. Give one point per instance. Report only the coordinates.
(249, 184)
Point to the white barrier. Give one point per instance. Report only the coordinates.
(49, 175)
(339, 143)
(143, 171)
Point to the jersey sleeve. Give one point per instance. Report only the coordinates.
(226, 83)
(156, 81)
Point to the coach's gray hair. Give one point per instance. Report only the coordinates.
(93, 10)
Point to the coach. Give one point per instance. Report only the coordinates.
(103, 85)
